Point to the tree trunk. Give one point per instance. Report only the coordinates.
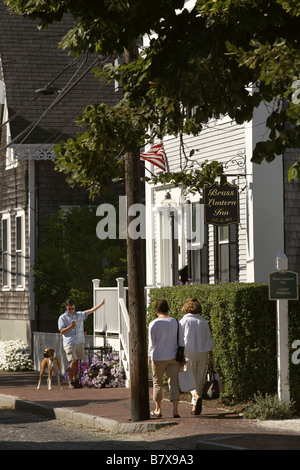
(137, 312)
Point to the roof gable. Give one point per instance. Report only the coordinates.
(30, 61)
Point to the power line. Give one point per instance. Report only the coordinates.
(48, 86)
(27, 131)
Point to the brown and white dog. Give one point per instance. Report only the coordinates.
(51, 362)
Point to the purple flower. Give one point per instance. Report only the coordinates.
(98, 374)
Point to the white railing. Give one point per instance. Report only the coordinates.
(111, 322)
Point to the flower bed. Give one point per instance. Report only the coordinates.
(15, 356)
(101, 373)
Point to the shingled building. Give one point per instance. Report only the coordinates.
(43, 90)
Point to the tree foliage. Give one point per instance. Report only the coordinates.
(222, 57)
(71, 255)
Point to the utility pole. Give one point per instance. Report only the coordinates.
(137, 314)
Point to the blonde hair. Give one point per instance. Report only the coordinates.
(191, 306)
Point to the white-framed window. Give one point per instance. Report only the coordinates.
(20, 250)
(224, 253)
(197, 225)
(11, 160)
(2, 101)
(6, 251)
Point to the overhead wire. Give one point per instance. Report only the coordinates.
(29, 129)
(28, 104)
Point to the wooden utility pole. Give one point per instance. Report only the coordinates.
(137, 314)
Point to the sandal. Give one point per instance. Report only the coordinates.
(155, 415)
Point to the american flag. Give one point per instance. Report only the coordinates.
(156, 155)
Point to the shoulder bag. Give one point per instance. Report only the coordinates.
(180, 349)
(211, 387)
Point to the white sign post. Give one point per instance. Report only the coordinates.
(283, 377)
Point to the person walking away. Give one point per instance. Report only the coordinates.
(70, 326)
(162, 347)
(198, 344)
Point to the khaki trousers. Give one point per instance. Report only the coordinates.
(171, 368)
(198, 363)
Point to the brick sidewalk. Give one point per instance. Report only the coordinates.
(215, 427)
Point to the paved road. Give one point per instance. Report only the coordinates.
(25, 431)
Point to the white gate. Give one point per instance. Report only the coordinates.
(111, 322)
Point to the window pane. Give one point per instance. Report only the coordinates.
(4, 234)
(19, 233)
(19, 268)
(224, 262)
(5, 269)
(224, 234)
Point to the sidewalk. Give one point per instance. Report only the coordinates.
(110, 410)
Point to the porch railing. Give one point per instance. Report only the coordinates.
(111, 322)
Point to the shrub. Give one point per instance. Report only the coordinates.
(243, 325)
(269, 407)
(15, 356)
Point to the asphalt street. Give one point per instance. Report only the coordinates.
(26, 431)
(96, 419)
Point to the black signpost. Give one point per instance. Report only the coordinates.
(221, 204)
(283, 285)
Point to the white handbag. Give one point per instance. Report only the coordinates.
(186, 380)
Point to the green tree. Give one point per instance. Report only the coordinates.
(221, 57)
(71, 256)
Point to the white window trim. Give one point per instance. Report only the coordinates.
(6, 216)
(11, 160)
(20, 214)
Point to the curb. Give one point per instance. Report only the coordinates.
(209, 445)
(77, 417)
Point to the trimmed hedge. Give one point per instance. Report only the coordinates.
(243, 325)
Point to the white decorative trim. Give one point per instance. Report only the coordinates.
(34, 152)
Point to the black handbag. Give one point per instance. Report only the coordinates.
(211, 387)
(180, 349)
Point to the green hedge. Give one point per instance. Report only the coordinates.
(243, 325)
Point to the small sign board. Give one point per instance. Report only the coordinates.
(221, 204)
(283, 285)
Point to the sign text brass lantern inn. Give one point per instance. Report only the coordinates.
(221, 204)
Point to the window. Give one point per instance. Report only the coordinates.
(11, 161)
(20, 250)
(197, 246)
(224, 253)
(6, 254)
(2, 101)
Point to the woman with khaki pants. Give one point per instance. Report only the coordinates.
(198, 346)
(162, 352)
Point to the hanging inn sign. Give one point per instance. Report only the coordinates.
(221, 204)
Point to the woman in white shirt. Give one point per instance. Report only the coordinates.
(198, 344)
(162, 352)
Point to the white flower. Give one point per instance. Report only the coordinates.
(15, 356)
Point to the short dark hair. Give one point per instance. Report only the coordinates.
(70, 302)
(162, 306)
